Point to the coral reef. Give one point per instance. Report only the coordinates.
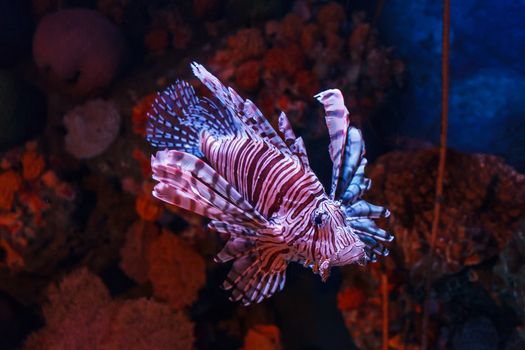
(79, 49)
(262, 337)
(297, 55)
(91, 128)
(75, 174)
(81, 315)
(484, 200)
(176, 271)
(134, 252)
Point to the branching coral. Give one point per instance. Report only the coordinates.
(134, 252)
(176, 271)
(300, 53)
(82, 315)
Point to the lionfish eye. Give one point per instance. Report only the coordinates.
(319, 217)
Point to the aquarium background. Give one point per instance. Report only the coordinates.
(90, 260)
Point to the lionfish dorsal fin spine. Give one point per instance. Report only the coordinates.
(337, 121)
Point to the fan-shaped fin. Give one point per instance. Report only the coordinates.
(358, 185)
(337, 121)
(244, 110)
(256, 276)
(188, 182)
(362, 209)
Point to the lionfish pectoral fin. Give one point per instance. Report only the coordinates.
(259, 267)
(257, 275)
(189, 183)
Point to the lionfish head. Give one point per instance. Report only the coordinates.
(345, 246)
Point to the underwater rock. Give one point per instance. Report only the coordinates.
(483, 202)
(22, 110)
(79, 49)
(91, 128)
(81, 315)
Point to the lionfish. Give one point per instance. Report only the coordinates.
(223, 160)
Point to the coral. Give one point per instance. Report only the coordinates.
(172, 21)
(176, 271)
(483, 201)
(247, 75)
(156, 40)
(32, 162)
(139, 114)
(78, 48)
(245, 44)
(263, 337)
(10, 183)
(331, 16)
(291, 28)
(91, 128)
(350, 298)
(134, 252)
(144, 324)
(12, 258)
(81, 315)
(146, 206)
(300, 54)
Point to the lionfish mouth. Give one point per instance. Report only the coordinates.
(354, 253)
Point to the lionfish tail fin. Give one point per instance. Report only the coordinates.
(256, 276)
(178, 115)
(189, 183)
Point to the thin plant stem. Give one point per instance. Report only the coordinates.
(441, 168)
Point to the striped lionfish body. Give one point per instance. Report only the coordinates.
(223, 160)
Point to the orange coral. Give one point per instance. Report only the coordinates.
(306, 83)
(145, 164)
(10, 183)
(32, 165)
(263, 337)
(331, 16)
(139, 114)
(134, 252)
(310, 35)
(147, 207)
(12, 258)
(357, 40)
(35, 204)
(291, 27)
(245, 44)
(156, 40)
(278, 61)
(350, 298)
(247, 76)
(176, 271)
